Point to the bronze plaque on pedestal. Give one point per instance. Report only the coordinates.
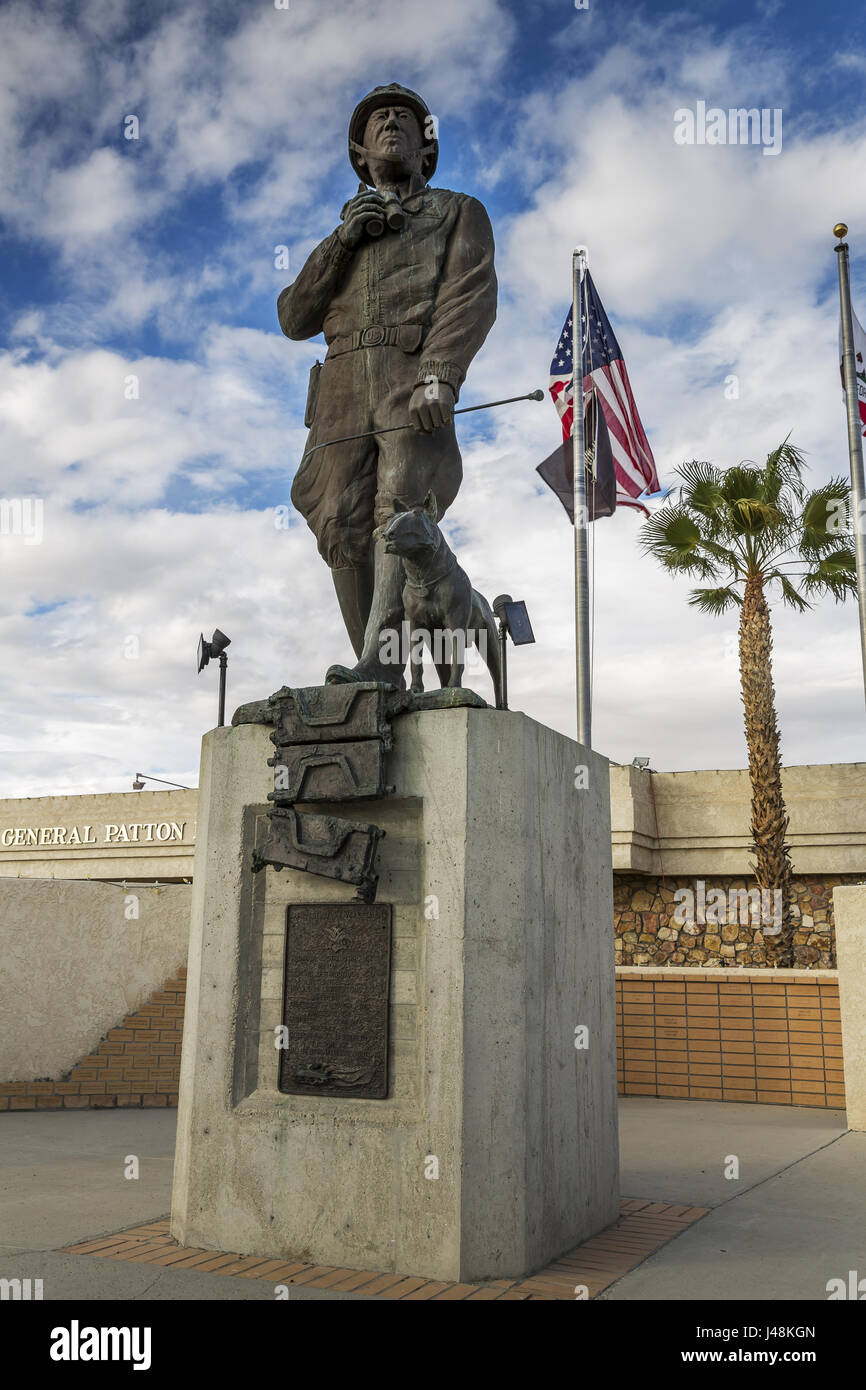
(336, 999)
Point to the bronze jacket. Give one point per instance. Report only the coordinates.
(436, 276)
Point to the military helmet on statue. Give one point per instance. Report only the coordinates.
(392, 95)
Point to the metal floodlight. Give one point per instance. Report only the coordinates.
(518, 624)
(209, 651)
(641, 763)
(514, 623)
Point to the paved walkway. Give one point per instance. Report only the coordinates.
(794, 1217)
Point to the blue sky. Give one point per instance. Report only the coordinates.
(154, 259)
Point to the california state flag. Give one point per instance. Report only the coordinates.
(859, 367)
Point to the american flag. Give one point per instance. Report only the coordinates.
(604, 373)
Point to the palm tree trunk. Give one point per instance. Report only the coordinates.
(773, 869)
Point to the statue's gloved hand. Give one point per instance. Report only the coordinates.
(431, 406)
(366, 203)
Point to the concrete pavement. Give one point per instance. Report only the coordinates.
(62, 1180)
(786, 1185)
(794, 1218)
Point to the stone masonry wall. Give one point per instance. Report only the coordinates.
(647, 934)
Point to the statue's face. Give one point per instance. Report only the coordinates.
(412, 530)
(393, 134)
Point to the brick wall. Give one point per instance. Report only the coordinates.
(137, 1063)
(742, 1035)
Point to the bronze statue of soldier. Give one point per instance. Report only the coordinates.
(404, 291)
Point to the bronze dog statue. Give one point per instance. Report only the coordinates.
(438, 599)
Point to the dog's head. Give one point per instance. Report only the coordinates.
(412, 530)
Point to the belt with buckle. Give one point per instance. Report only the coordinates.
(407, 336)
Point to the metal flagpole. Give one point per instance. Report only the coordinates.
(855, 441)
(581, 518)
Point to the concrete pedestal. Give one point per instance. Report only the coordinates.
(496, 1148)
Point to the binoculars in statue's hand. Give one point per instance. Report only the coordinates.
(392, 213)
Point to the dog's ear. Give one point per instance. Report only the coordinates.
(400, 506)
(430, 506)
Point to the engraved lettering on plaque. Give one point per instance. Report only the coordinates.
(336, 1000)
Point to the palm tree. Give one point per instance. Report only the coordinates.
(758, 529)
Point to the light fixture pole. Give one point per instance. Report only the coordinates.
(514, 623)
(142, 777)
(216, 647)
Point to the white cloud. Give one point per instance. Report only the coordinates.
(157, 578)
(92, 198)
(710, 262)
(273, 90)
(92, 426)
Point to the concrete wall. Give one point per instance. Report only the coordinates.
(850, 906)
(74, 962)
(137, 1064)
(703, 820)
(703, 827)
(112, 835)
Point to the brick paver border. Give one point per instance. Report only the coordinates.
(643, 1227)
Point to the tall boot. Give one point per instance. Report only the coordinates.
(355, 595)
(386, 614)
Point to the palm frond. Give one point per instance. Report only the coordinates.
(693, 564)
(753, 509)
(784, 471)
(670, 528)
(825, 518)
(740, 483)
(702, 487)
(790, 593)
(715, 601)
(749, 509)
(834, 574)
(673, 537)
(726, 556)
